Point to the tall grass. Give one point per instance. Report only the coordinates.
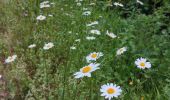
(37, 74)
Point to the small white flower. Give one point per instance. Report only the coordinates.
(44, 4)
(48, 46)
(87, 70)
(50, 15)
(11, 59)
(140, 2)
(94, 56)
(118, 4)
(78, 4)
(41, 17)
(110, 90)
(112, 35)
(92, 4)
(73, 47)
(77, 40)
(142, 63)
(86, 13)
(32, 46)
(121, 51)
(93, 23)
(90, 38)
(97, 32)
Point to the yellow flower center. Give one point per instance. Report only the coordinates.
(142, 64)
(94, 55)
(111, 91)
(86, 69)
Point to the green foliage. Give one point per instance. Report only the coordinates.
(48, 75)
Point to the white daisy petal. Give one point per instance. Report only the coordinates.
(112, 35)
(41, 17)
(121, 51)
(110, 90)
(86, 70)
(142, 63)
(94, 56)
(48, 46)
(32, 46)
(97, 32)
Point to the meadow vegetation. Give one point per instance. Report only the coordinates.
(69, 49)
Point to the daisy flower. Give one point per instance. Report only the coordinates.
(48, 46)
(11, 59)
(93, 23)
(142, 63)
(140, 2)
(118, 4)
(87, 70)
(121, 50)
(45, 4)
(97, 32)
(90, 38)
(112, 35)
(110, 90)
(41, 17)
(94, 56)
(86, 13)
(32, 46)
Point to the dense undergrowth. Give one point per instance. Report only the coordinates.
(39, 74)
